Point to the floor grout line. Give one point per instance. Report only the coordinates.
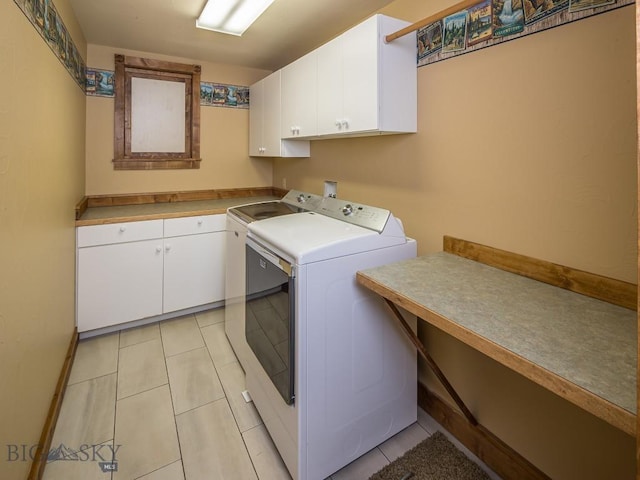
(138, 343)
(115, 400)
(186, 351)
(224, 390)
(173, 407)
(142, 391)
(226, 397)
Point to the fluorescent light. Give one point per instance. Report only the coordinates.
(231, 16)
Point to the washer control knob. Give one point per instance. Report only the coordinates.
(301, 198)
(347, 209)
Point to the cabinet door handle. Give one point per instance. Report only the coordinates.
(345, 124)
(167, 248)
(200, 221)
(158, 249)
(122, 228)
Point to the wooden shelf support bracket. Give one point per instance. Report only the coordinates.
(431, 363)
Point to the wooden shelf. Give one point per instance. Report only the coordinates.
(579, 347)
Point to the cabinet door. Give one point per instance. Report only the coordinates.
(271, 116)
(265, 125)
(256, 107)
(299, 97)
(264, 117)
(119, 283)
(360, 78)
(330, 87)
(193, 270)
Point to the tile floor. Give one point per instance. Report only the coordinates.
(165, 401)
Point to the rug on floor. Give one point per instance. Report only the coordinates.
(433, 458)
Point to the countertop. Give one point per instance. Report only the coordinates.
(152, 211)
(581, 348)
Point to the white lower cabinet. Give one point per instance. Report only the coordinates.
(137, 270)
(119, 283)
(193, 270)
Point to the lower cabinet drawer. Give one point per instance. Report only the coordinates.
(174, 227)
(119, 233)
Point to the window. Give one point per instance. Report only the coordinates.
(157, 114)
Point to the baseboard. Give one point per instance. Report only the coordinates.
(496, 454)
(40, 457)
(146, 321)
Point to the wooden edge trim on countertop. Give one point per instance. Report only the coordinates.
(279, 192)
(149, 216)
(601, 408)
(617, 292)
(40, 457)
(496, 454)
(170, 197)
(81, 207)
(181, 196)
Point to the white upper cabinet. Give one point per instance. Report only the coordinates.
(299, 97)
(355, 85)
(264, 97)
(265, 139)
(367, 86)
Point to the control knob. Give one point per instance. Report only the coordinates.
(347, 209)
(301, 198)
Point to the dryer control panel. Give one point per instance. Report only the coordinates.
(366, 216)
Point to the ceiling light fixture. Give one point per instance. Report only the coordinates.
(231, 16)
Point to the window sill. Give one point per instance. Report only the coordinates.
(156, 164)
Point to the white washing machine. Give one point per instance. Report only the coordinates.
(330, 372)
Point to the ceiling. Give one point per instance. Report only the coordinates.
(285, 31)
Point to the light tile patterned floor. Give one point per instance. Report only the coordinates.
(166, 398)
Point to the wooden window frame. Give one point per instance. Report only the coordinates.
(126, 68)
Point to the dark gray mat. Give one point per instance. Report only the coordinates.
(435, 458)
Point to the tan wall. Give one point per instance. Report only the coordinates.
(42, 125)
(224, 144)
(527, 146)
